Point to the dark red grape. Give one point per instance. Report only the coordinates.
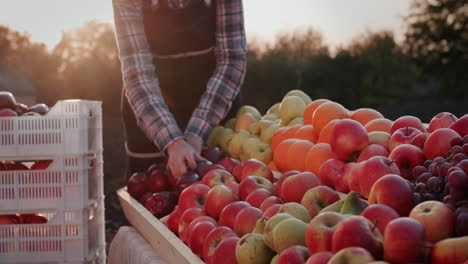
(465, 139)
(456, 141)
(424, 177)
(447, 189)
(427, 163)
(456, 149)
(464, 149)
(429, 196)
(434, 168)
(461, 224)
(420, 187)
(448, 199)
(434, 184)
(458, 179)
(417, 198)
(418, 170)
(443, 168)
(458, 194)
(458, 157)
(439, 160)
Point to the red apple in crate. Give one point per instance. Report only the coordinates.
(320, 258)
(372, 150)
(20, 109)
(201, 165)
(157, 180)
(404, 241)
(320, 231)
(281, 179)
(217, 198)
(294, 187)
(253, 167)
(6, 112)
(41, 164)
(318, 198)
(210, 168)
(15, 165)
(186, 218)
(390, 186)
(172, 221)
(217, 177)
(200, 219)
(441, 120)
(136, 185)
(251, 183)
(229, 213)
(161, 203)
(348, 139)
(352, 255)
(271, 211)
(438, 143)
(9, 220)
(246, 220)
(450, 251)
(406, 157)
(419, 140)
(437, 219)
(461, 126)
(373, 169)
(193, 196)
(32, 219)
(257, 197)
(7, 100)
(294, 255)
(186, 179)
(213, 240)
(41, 109)
(402, 136)
(380, 215)
(225, 252)
(357, 231)
(330, 171)
(229, 163)
(269, 202)
(407, 121)
(145, 197)
(198, 235)
(379, 138)
(214, 154)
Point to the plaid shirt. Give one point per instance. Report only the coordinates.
(142, 85)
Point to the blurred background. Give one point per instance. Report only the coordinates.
(400, 57)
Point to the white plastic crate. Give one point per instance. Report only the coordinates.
(70, 127)
(70, 181)
(70, 236)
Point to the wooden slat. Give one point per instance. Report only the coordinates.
(165, 243)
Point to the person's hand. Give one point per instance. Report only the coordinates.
(182, 157)
(195, 141)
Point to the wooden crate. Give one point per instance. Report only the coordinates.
(165, 243)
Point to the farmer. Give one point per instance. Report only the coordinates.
(183, 63)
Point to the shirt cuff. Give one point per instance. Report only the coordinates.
(199, 127)
(165, 136)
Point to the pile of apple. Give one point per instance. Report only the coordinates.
(10, 108)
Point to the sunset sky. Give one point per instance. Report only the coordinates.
(338, 20)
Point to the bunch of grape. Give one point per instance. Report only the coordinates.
(444, 178)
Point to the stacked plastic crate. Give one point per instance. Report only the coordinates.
(59, 177)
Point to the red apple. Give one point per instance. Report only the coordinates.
(209, 168)
(419, 140)
(41, 164)
(251, 183)
(186, 179)
(320, 231)
(213, 240)
(390, 186)
(281, 179)
(403, 135)
(342, 183)
(201, 165)
(437, 219)
(229, 163)
(404, 241)
(193, 223)
(145, 197)
(214, 154)
(269, 202)
(6, 112)
(380, 215)
(330, 171)
(373, 169)
(198, 234)
(229, 213)
(271, 211)
(294, 187)
(257, 197)
(9, 219)
(216, 177)
(461, 126)
(372, 150)
(217, 198)
(441, 120)
(161, 203)
(407, 121)
(253, 167)
(157, 180)
(369, 237)
(237, 172)
(320, 258)
(225, 252)
(348, 139)
(172, 221)
(193, 196)
(450, 251)
(354, 176)
(186, 218)
(406, 157)
(318, 198)
(7, 100)
(352, 255)
(246, 220)
(294, 255)
(438, 143)
(234, 186)
(379, 138)
(20, 109)
(136, 185)
(41, 109)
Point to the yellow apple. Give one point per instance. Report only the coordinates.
(235, 146)
(249, 109)
(268, 133)
(271, 117)
(213, 139)
(296, 121)
(225, 138)
(274, 109)
(257, 128)
(305, 98)
(254, 148)
(244, 121)
(291, 107)
(231, 123)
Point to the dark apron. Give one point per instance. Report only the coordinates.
(182, 80)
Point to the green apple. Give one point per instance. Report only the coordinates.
(231, 123)
(290, 108)
(225, 138)
(235, 146)
(289, 232)
(213, 139)
(274, 109)
(268, 133)
(305, 98)
(249, 109)
(251, 249)
(270, 225)
(244, 121)
(254, 148)
(297, 210)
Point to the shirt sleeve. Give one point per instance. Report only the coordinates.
(140, 81)
(225, 84)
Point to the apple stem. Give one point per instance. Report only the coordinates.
(338, 170)
(376, 222)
